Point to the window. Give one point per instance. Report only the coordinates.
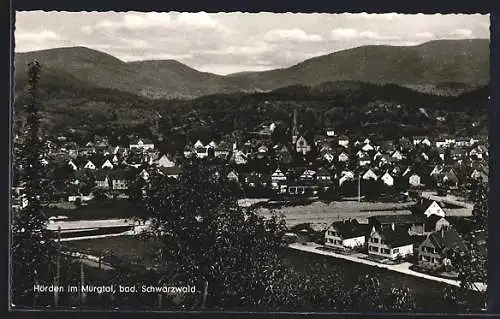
(385, 251)
(383, 242)
(374, 249)
(374, 240)
(338, 242)
(395, 251)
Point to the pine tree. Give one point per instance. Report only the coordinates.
(31, 244)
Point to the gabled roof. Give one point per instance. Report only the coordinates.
(430, 223)
(174, 170)
(446, 240)
(348, 228)
(397, 219)
(395, 238)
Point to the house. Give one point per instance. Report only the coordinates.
(397, 155)
(278, 176)
(390, 242)
(480, 173)
(369, 174)
(198, 144)
(436, 250)
(435, 223)
(343, 157)
(72, 165)
(107, 164)
(343, 141)
(323, 175)
(450, 178)
(328, 156)
(345, 234)
(308, 175)
(302, 146)
(434, 209)
(240, 158)
(345, 176)
(414, 180)
(421, 140)
(142, 144)
(144, 174)
(120, 180)
(89, 165)
(436, 170)
(387, 179)
(232, 176)
(115, 160)
(414, 224)
(165, 161)
(330, 132)
(102, 180)
(172, 172)
(367, 148)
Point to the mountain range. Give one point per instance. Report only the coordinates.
(441, 67)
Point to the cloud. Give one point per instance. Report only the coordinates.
(349, 33)
(296, 34)
(37, 37)
(156, 56)
(425, 35)
(375, 16)
(161, 20)
(462, 33)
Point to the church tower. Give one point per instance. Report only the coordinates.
(295, 131)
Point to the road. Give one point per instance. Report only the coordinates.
(449, 199)
(403, 268)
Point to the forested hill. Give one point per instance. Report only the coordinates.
(348, 106)
(442, 67)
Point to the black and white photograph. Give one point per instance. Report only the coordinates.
(250, 162)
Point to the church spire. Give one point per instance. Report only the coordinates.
(295, 131)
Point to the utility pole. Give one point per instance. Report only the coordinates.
(82, 283)
(58, 268)
(359, 188)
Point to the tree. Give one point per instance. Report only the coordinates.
(230, 254)
(472, 264)
(32, 246)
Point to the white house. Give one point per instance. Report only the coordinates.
(240, 158)
(343, 157)
(232, 176)
(142, 144)
(387, 179)
(212, 144)
(344, 235)
(72, 165)
(367, 148)
(346, 176)
(198, 144)
(278, 176)
(434, 209)
(308, 174)
(302, 146)
(414, 180)
(390, 242)
(107, 164)
(89, 165)
(369, 174)
(144, 174)
(343, 141)
(164, 161)
(115, 159)
(328, 156)
(330, 132)
(397, 155)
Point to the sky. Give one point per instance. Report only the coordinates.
(225, 43)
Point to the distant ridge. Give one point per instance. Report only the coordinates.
(441, 67)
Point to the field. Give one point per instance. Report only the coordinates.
(427, 292)
(322, 214)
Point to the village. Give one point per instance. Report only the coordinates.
(431, 173)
